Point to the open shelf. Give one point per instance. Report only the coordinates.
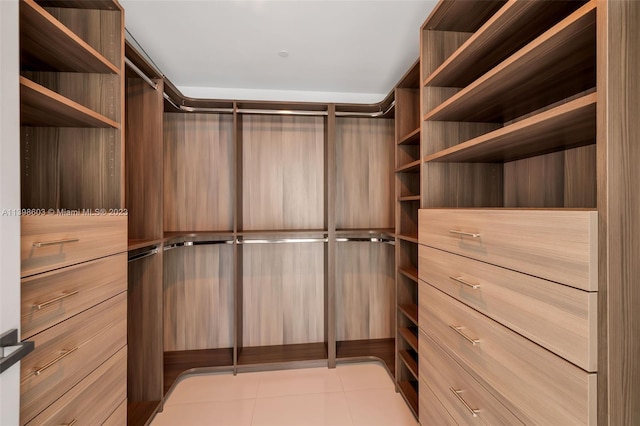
(46, 44)
(409, 238)
(569, 125)
(282, 353)
(410, 360)
(177, 362)
(510, 28)
(409, 390)
(139, 413)
(410, 198)
(555, 66)
(410, 337)
(409, 272)
(41, 107)
(135, 244)
(410, 310)
(412, 167)
(379, 348)
(412, 138)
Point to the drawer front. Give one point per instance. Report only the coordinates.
(94, 399)
(54, 241)
(119, 416)
(68, 352)
(432, 412)
(470, 403)
(536, 385)
(560, 318)
(52, 297)
(556, 245)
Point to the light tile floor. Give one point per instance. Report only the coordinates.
(351, 394)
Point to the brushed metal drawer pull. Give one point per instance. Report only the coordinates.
(73, 422)
(465, 234)
(56, 242)
(50, 363)
(461, 280)
(474, 412)
(64, 295)
(458, 330)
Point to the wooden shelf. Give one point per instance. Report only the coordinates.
(567, 126)
(412, 138)
(410, 310)
(82, 4)
(139, 243)
(282, 353)
(409, 238)
(413, 167)
(410, 393)
(410, 337)
(409, 272)
(462, 16)
(409, 198)
(47, 45)
(511, 27)
(555, 66)
(409, 359)
(177, 362)
(41, 107)
(378, 348)
(139, 413)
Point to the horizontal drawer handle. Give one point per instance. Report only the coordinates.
(56, 242)
(473, 411)
(50, 363)
(465, 234)
(64, 295)
(458, 330)
(73, 422)
(467, 283)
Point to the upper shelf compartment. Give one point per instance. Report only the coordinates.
(48, 45)
(513, 26)
(558, 64)
(40, 106)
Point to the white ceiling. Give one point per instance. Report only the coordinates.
(339, 50)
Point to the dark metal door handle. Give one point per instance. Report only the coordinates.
(10, 338)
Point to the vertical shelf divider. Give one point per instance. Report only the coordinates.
(330, 225)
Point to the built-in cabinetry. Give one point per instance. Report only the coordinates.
(74, 225)
(515, 268)
(407, 203)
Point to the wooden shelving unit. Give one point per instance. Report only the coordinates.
(410, 360)
(410, 310)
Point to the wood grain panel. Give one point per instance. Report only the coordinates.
(198, 297)
(365, 288)
(440, 135)
(119, 415)
(560, 318)
(144, 159)
(96, 236)
(557, 245)
(462, 185)
(94, 399)
(93, 281)
(437, 47)
(431, 410)
(580, 177)
(283, 294)
(619, 204)
(55, 160)
(407, 118)
(364, 173)
(145, 329)
(198, 172)
(97, 334)
(535, 182)
(283, 173)
(534, 384)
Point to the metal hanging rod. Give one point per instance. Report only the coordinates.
(281, 112)
(196, 109)
(364, 239)
(196, 243)
(283, 240)
(367, 114)
(140, 73)
(143, 255)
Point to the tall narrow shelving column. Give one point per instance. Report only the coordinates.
(407, 202)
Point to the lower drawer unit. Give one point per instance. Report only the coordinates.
(432, 412)
(68, 352)
(94, 400)
(560, 318)
(536, 385)
(52, 297)
(119, 416)
(461, 395)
